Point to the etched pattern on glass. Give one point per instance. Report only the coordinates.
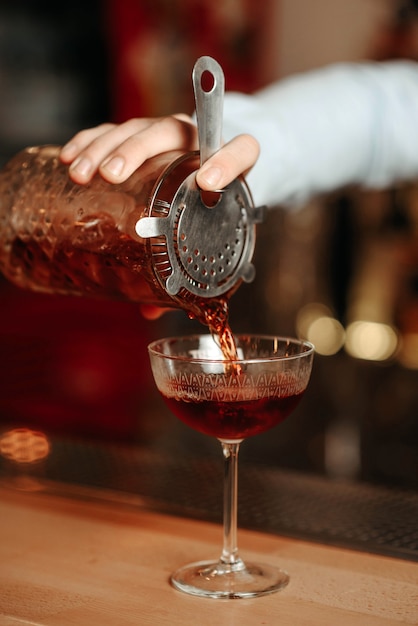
(233, 388)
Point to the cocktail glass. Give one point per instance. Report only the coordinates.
(231, 400)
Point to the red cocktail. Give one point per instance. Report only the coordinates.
(231, 398)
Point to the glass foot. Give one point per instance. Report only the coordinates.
(214, 579)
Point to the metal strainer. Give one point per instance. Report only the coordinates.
(204, 243)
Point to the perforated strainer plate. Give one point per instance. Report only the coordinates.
(214, 258)
(209, 248)
(199, 246)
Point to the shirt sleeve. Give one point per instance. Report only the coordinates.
(341, 125)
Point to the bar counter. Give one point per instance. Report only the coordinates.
(79, 560)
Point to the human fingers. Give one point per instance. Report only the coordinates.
(118, 150)
(81, 140)
(176, 132)
(234, 158)
(89, 147)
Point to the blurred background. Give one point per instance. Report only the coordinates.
(342, 272)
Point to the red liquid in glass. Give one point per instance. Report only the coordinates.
(234, 420)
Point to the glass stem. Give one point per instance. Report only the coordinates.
(230, 548)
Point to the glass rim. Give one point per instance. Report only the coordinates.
(282, 338)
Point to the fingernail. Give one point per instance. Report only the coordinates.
(82, 166)
(114, 165)
(211, 176)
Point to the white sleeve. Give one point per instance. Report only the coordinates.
(332, 127)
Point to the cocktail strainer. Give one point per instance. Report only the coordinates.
(203, 243)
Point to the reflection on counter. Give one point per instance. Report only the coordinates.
(22, 445)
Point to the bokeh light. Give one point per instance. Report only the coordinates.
(316, 324)
(371, 341)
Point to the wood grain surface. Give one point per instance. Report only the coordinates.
(67, 561)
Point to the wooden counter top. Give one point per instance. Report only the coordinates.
(66, 561)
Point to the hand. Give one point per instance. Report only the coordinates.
(116, 151)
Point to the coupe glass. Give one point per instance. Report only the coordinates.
(231, 400)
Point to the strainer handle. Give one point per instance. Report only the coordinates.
(209, 106)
